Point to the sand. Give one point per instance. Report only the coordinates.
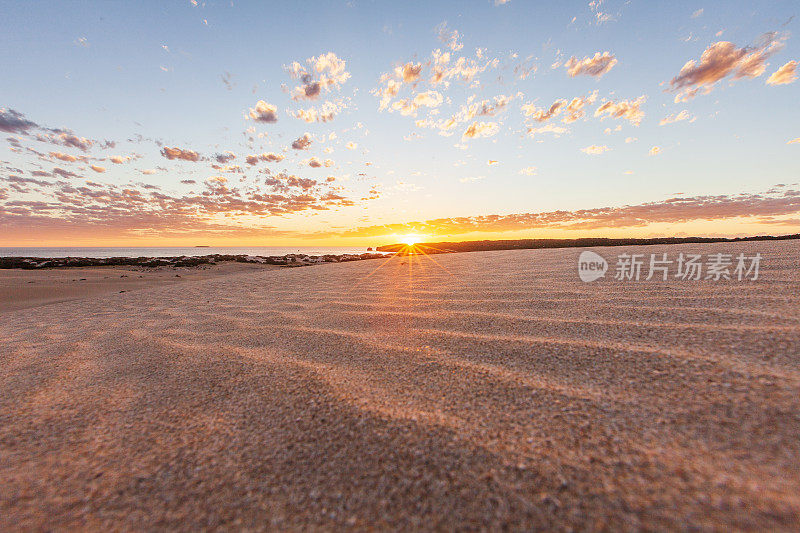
(484, 390)
(22, 289)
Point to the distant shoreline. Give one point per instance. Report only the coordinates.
(536, 244)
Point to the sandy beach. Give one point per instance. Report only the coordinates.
(22, 289)
(488, 390)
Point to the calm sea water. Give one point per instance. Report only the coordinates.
(176, 252)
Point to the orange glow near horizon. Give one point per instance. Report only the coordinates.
(73, 237)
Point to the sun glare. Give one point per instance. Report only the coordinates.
(410, 240)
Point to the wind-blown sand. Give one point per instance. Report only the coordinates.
(477, 390)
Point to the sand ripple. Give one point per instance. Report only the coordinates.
(483, 390)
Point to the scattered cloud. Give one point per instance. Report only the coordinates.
(655, 150)
(629, 110)
(227, 157)
(573, 110)
(723, 59)
(316, 163)
(451, 38)
(529, 171)
(595, 149)
(480, 129)
(264, 112)
(596, 65)
(302, 142)
(69, 158)
(324, 113)
(547, 128)
(319, 74)
(677, 117)
(180, 153)
(15, 122)
(786, 74)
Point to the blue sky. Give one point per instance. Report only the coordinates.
(186, 76)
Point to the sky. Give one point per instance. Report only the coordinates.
(362, 122)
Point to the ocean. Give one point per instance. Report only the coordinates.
(177, 251)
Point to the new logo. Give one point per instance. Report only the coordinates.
(591, 266)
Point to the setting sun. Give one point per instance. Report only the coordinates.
(410, 240)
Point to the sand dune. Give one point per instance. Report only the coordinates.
(477, 390)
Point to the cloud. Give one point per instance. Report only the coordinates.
(69, 158)
(118, 159)
(272, 157)
(573, 110)
(227, 157)
(655, 150)
(485, 108)
(352, 146)
(541, 114)
(443, 67)
(12, 121)
(324, 113)
(600, 16)
(674, 210)
(463, 69)
(529, 171)
(269, 157)
(68, 209)
(629, 140)
(410, 106)
(697, 13)
(720, 60)
(264, 112)
(547, 128)
(596, 65)
(316, 163)
(410, 72)
(595, 149)
(321, 73)
(480, 129)
(180, 153)
(786, 74)
(98, 168)
(629, 110)
(794, 141)
(451, 38)
(302, 142)
(64, 173)
(69, 140)
(15, 122)
(673, 118)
